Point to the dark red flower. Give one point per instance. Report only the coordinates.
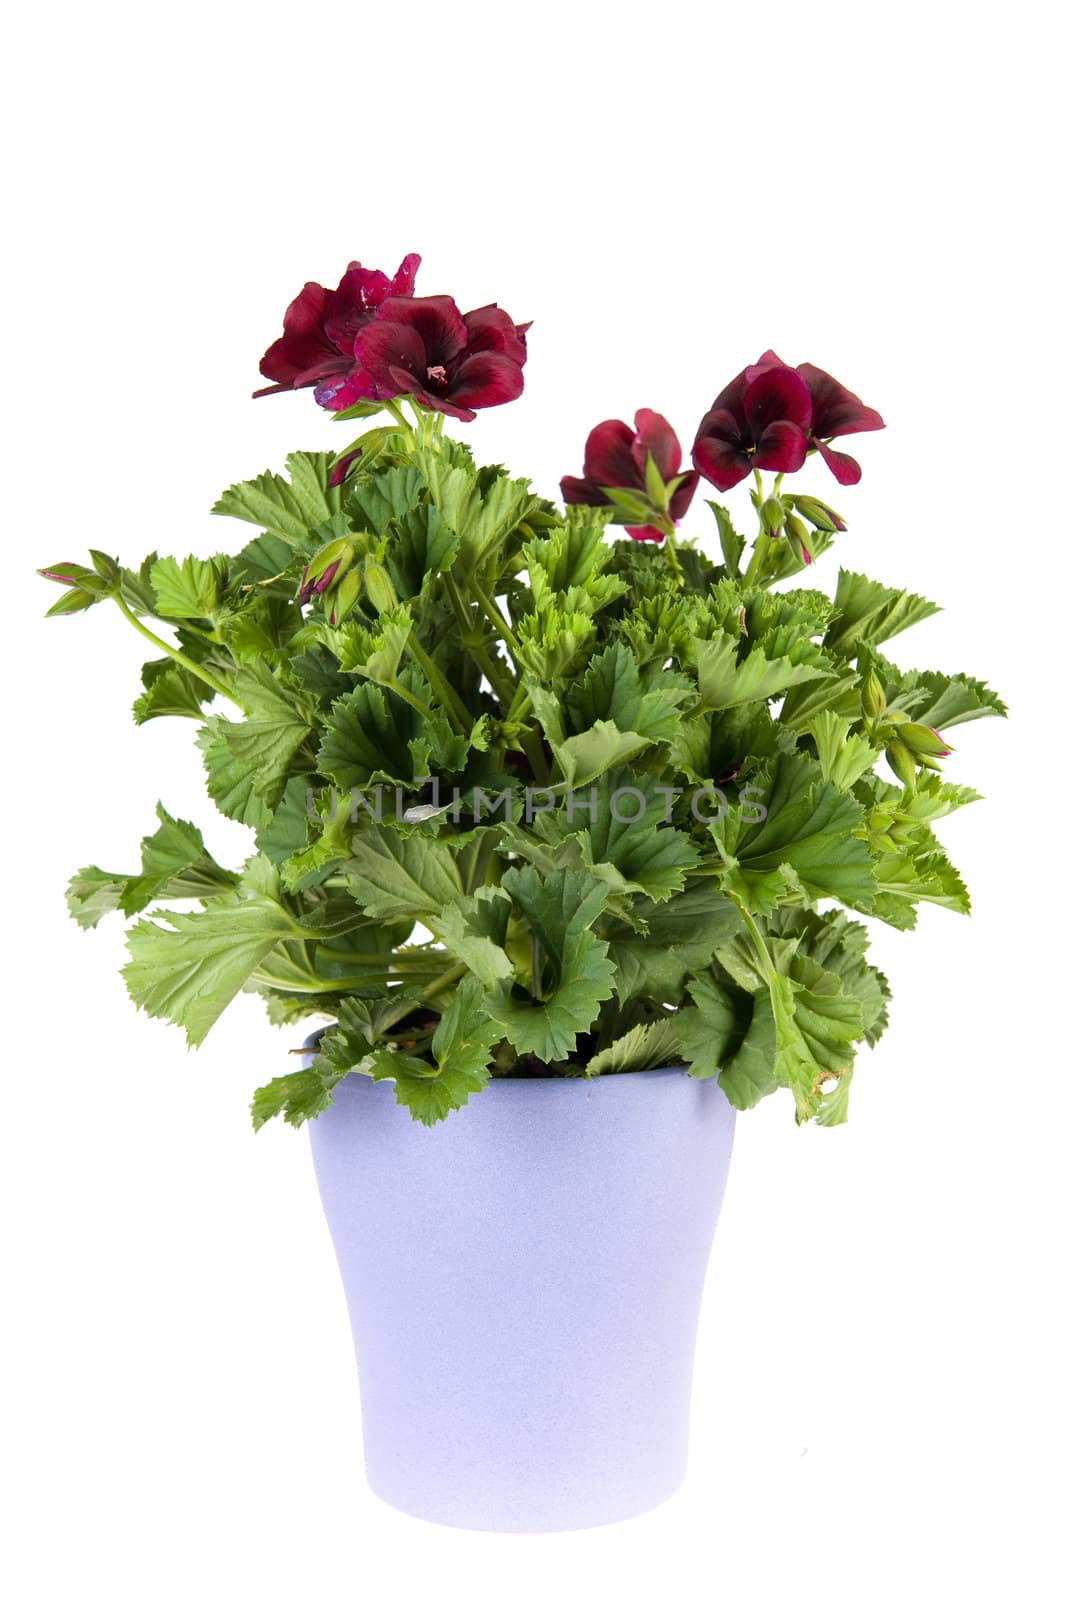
(760, 420)
(836, 411)
(321, 326)
(445, 361)
(615, 457)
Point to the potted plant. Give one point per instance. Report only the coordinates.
(562, 835)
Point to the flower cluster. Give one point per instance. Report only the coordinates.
(771, 416)
(371, 339)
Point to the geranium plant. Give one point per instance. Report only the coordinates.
(530, 797)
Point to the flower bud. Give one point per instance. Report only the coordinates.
(379, 586)
(923, 743)
(342, 466)
(902, 763)
(327, 568)
(797, 539)
(874, 701)
(816, 512)
(347, 593)
(85, 586)
(773, 513)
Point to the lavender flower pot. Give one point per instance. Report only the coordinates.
(523, 1282)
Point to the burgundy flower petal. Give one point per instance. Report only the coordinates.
(835, 409)
(399, 382)
(765, 363)
(730, 400)
(383, 346)
(647, 534)
(403, 282)
(719, 452)
(781, 447)
(777, 395)
(353, 303)
(683, 495)
(436, 319)
(337, 391)
(489, 328)
(843, 468)
(608, 456)
(485, 379)
(582, 492)
(302, 346)
(654, 434)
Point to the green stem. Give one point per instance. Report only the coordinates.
(769, 972)
(672, 559)
(440, 686)
(398, 963)
(175, 655)
(762, 545)
(499, 621)
(393, 408)
(403, 1008)
(518, 706)
(501, 687)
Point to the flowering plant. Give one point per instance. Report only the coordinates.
(526, 799)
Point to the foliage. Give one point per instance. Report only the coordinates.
(526, 801)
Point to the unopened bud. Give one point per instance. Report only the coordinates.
(797, 538)
(902, 763)
(85, 586)
(924, 743)
(326, 568)
(379, 587)
(816, 512)
(874, 701)
(773, 514)
(345, 597)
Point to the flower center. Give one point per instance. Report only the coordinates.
(437, 375)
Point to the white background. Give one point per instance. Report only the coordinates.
(665, 190)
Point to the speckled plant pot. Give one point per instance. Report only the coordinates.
(524, 1282)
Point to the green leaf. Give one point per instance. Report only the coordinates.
(614, 690)
(297, 1096)
(647, 1045)
(843, 756)
(942, 702)
(482, 509)
(376, 502)
(193, 589)
(170, 691)
(727, 680)
(248, 762)
(291, 511)
(419, 547)
(922, 872)
(175, 865)
(672, 940)
(394, 875)
(732, 545)
(729, 1033)
(620, 826)
(838, 944)
(809, 837)
(583, 757)
(576, 973)
(474, 929)
(868, 613)
(462, 1046)
(187, 967)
